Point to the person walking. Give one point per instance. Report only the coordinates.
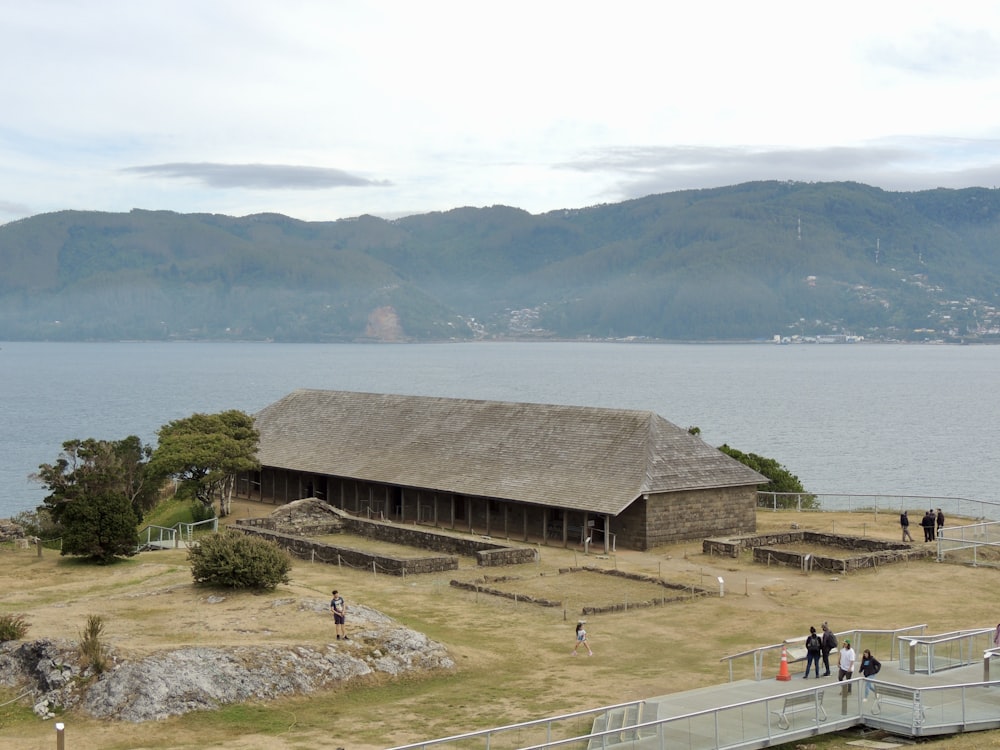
(827, 643)
(847, 657)
(869, 667)
(581, 639)
(813, 648)
(904, 522)
(940, 522)
(339, 609)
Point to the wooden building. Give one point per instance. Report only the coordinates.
(532, 472)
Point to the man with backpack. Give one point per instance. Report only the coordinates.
(813, 649)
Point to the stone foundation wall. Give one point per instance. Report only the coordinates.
(305, 518)
(416, 536)
(308, 549)
(767, 549)
(505, 556)
(680, 592)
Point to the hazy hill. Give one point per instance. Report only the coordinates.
(748, 261)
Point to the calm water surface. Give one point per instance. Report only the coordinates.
(863, 419)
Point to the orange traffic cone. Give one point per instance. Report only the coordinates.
(783, 674)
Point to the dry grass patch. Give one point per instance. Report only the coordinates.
(513, 659)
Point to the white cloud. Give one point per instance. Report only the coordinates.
(324, 109)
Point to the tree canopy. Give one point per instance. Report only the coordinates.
(99, 490)
(205, 452)
(782, 480)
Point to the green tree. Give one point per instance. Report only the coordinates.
(89, 467)
(205, 452)
(98, 490)
(100, 526)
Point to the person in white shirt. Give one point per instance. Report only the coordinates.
(846, 663)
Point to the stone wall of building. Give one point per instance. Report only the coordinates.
(680, 516)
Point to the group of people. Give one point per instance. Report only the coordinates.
(932, 523)
(819, 646)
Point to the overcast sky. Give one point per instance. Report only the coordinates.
(327, 109)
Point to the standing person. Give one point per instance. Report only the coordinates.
(869, 666)
(581, 639)
(904, 522)
(847, 657)
(996, 637)
(928, 524)
(813, 648)
(339, 610)
(940, 521)
(827, 643)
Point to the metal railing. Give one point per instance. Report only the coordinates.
(934, 653)
(977, 543)
(165, 537)
(811, 502)
(767, 721)
(541, 731)
(874, 640)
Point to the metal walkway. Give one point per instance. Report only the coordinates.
(749, 714)
(754, 714)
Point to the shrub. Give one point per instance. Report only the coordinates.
(12, 627)
(236, 560)
(36, 523)
(92, 650)
(201, 512)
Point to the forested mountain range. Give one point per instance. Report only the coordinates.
(745, 262)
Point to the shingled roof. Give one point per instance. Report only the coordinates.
(598, 460)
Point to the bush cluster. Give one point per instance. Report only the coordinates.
(236, 560)
(12, 627)
(93, 652)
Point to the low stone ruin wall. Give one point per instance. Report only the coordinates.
(308, 549)
(486, 551)
(871, 553)
(309, 518)
(681, 592)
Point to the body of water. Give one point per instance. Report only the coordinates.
(859, 419)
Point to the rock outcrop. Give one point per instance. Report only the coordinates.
(174, 682)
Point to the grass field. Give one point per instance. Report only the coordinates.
(513, 657)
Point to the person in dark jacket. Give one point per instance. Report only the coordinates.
(940, 521)
(927, 522)
(827, 643)
(813, 649)
(869, 668)
(904, 523)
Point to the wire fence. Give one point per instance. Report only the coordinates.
(808, 502)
